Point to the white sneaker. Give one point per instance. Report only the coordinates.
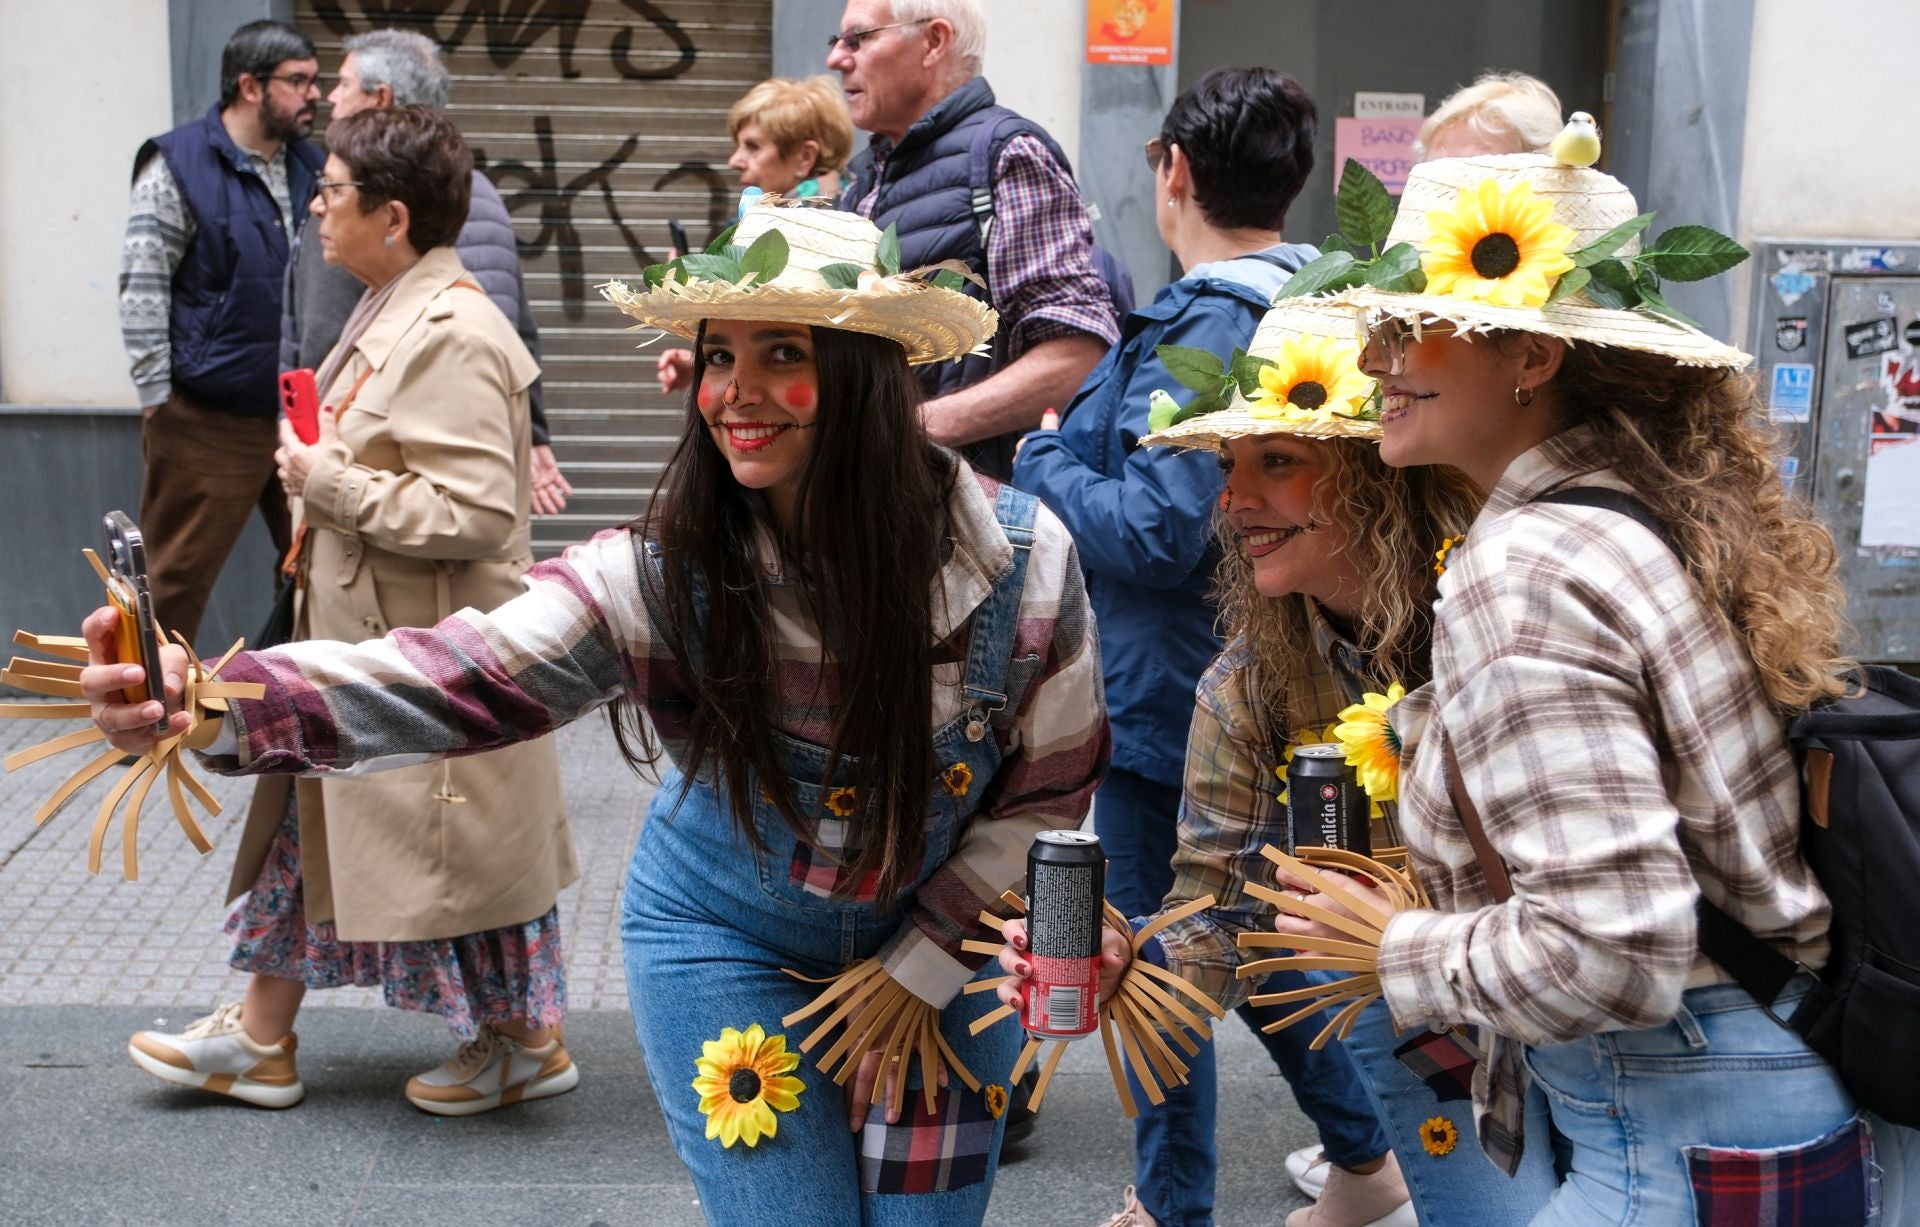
(491, 1072)
(216, 1054)
(1308, 1167)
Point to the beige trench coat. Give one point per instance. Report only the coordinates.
(421, 508)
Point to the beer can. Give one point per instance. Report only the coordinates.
(1326, 807)
(1066, 883)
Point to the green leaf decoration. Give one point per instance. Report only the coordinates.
(766, 258)
(842, 276)
(1691, 253)
(1612, 285)
(1363, 207)
(1655, 302)
(1571, 282)
(1336, 270)
(1198, 369)
(889, 253)
(947, 279)
(1398, 270)
(1246, 372)
(1610, 242)
(656, 274)
(1335, 242)
(721, 240)
(712, 267)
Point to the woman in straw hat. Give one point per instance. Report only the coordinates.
(1602, 743)
(808, 548)
(1325, 587)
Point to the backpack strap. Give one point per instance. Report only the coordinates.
(1499, 881)
(986, 139)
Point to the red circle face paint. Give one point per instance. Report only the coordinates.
(704, 398)
(797, 396)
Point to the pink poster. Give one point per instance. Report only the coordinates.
(1383, 146)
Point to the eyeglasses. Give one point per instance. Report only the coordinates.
(1383, 341)
(1156, 153)
(299, 81)
(853, 39)
(329, 188)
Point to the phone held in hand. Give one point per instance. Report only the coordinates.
(136, 639)
(678, 234)
(300, 402)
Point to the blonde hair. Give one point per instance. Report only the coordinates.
(792, 112)
(1510, 112)
(1395, 521)
(968, 20)
(1694, 443)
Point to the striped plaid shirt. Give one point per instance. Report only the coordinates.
(1615, 738)
(1039, 252)
(581, 636)
(1230, 806)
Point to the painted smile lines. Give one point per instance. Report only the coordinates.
(752, 436)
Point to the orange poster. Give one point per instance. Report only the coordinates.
(1130, 31)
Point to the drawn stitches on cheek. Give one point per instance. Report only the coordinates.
(798, 396)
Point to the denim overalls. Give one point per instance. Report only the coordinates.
(709, 925)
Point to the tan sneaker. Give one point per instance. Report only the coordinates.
(1379, 1199)
(1133, 1214)
(216, 1054)
(491, 1072)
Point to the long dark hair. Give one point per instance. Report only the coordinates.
(869, 542)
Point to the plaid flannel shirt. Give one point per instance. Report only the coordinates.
(581, 636)
(1230, 806)
(1040, 273)
(1624, 758)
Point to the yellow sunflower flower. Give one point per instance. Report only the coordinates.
(1373, 748)
(1304, 737)
(996, 1100)
(1446, 548)
(841, 802)
(1497, 247)
(1311, 376)
(957, 779)
(1439, 1136)
(742, 1081)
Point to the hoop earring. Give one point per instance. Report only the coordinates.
(1523, 397)
(732, 395)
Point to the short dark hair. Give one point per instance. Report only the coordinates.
(412, 155)
(1248, 135)
(256, 49)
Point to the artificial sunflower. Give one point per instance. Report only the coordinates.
(1309, 376)
(742, 1081)
(841, 801)
(1372, 747)
(996, 1097)
(1497, 247)
(1439, 1136)
(957, 779)
(1446, 548)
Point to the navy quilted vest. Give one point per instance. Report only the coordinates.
(225, 322)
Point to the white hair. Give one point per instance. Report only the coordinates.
(405, 62)
(969, 24)
(1510, 112)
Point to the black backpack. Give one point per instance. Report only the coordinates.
(1860, 831)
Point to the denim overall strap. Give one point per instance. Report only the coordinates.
(998, 618)
(653, 567)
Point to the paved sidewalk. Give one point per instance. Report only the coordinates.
(85, 1136)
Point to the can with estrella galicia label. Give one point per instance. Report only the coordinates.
(1326, 807)
(1066, 883)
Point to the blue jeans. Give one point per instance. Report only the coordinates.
(1644, 1117)
(1174, 1158)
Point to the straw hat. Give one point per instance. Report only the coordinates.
(1451, 203)
(931, 322)
(1312, 356)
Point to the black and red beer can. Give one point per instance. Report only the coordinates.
(1066, 883)
(1326, 807)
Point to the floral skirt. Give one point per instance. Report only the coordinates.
(515, 972)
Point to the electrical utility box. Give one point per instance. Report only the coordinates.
(1836, 329)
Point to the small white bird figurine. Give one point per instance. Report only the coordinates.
(1578, 143)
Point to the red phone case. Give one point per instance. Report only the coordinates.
(300, 401)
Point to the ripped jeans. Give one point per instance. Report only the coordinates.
(1720, 1116)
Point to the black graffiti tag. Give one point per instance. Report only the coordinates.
(511, 27)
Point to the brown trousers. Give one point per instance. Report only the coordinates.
(206, 472)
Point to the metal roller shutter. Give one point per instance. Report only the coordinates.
(598, 120)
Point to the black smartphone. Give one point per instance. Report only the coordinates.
(137, 638)
(678, 234)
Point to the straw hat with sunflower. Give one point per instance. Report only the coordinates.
(1300, 375)
(1524, 242)
(823, 267)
